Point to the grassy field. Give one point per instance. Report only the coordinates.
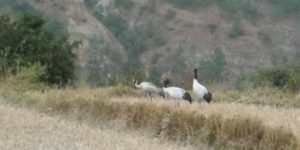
(25, 129)
(221, 125)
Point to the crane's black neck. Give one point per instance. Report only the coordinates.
(195, 74)
(136, 82)
(166, 83)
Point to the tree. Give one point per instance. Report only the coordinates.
(26, 41)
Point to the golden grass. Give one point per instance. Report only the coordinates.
(23, 129)
(260, 96)
(220, 125)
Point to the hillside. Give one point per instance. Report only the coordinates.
(120, 35)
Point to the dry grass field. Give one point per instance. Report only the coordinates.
(25, 129)
(220, 125)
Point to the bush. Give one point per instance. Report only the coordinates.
(135, 40)
(212, 68)
(127, 4)
(27, 78)
(232, 7)
(170, 14)
(27, 41)
(190, 3)
(284, 8)
(236, 30)
(90, 3)
(286, 77)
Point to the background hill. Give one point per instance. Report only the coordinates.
(157, 39)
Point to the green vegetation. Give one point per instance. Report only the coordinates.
(191, 3)
(285, 8)
(233, 8)
(27, 78)
(26, 41)
(285, 77)
(7, 3)
(212, 68)
(98, 66)
(236, 30)
(170, 14)
(243, 8)
(136, 39)
(127, 4)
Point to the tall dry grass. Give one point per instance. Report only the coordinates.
(197, 123)
(260, 96)
(26, 129)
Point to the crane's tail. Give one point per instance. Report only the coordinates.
(208, 97)
(187, 96)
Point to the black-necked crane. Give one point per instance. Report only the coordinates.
(200, 90)
(176, 92)
(148, 88)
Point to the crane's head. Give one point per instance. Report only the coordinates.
(166, 82)
(161, 93)
(135, 81)
(187, 96)
(208, 97)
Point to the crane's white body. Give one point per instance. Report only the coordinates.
(199, 89)
(174, 92)
(148, 88)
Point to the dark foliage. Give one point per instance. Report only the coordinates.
(285, 77)
(212, 68)
(26, 41)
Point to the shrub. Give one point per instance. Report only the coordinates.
(232, 8)
(127, 4)
(236, 30)
(27, 41)
(284, 8)
(154, 75)
(190, 3)
(212, 68)
(90, 3)
(250, 11)
(27, 78)
(170, 14)
(284, 77)
(22, 7)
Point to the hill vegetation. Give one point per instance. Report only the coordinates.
(142, 37)
(150, 36)
(26, 41)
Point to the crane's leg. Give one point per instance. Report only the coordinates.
(150, 97)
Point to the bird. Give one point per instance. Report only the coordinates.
(176, 92)
(148, 88)
(200, 90)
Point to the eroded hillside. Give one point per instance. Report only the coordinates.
(131, 33)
